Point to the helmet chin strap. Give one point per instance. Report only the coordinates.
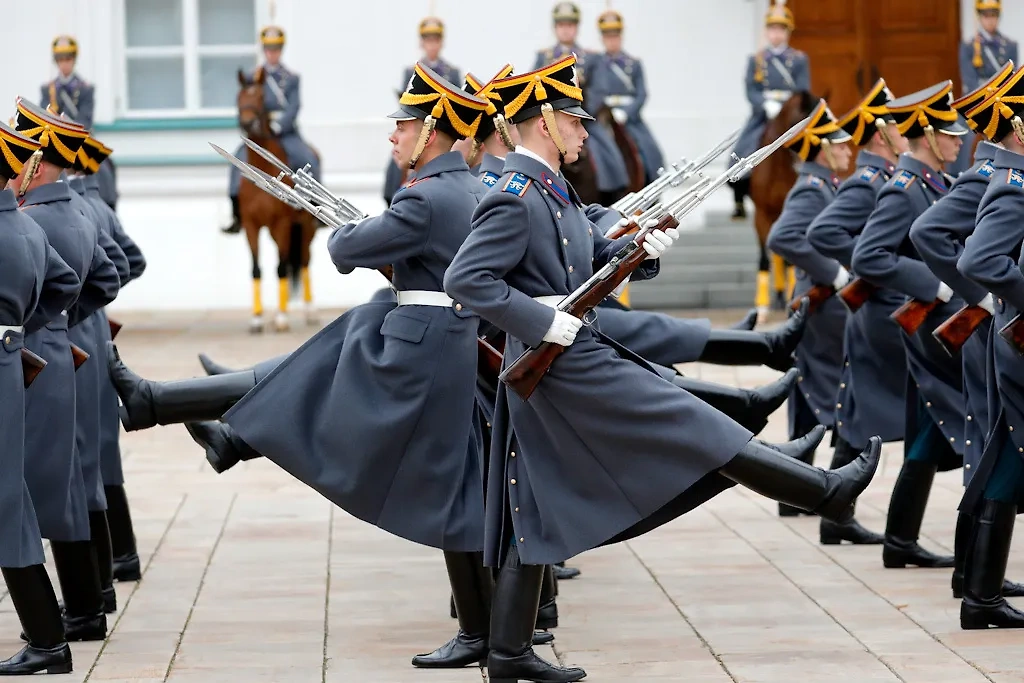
(883, 128)
(421, 143)
(548, 114)
(826, 148)
(1018, 129)
(933, 143)
(503, 132)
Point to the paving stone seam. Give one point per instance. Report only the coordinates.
(327, 595)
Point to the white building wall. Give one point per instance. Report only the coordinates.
(351, 57)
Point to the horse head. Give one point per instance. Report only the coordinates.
(252, 114)
(794, 110)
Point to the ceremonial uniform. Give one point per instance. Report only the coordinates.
(772, 76)
(34, 283)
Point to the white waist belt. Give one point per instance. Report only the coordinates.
(421, 297)
(551, 300)
(17, 329)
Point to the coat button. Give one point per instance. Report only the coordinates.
(458, 307)
(7, 339)
(942, 422)
(817, 412)
(967, 465)
(517, 509)
(521, 539)
(565, 241)
(513, 482)
(488, 425)
(952, 439)
(1011, 428)
(558, 214)
(840, 423)
(513, 454)
(927, 404)
(570, 269)
(842, 385)
(969, 418)
(838, 406)
(967, 443)
(590, 231)
(847, 363)
(800, 378)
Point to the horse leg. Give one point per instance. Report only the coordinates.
(761, 297)
(256, 323)
(308, 232)
(779, 275)
(282, 235)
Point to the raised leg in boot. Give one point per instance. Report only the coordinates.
(749, 321)
(122, 535)
(224, 448)
(145, 403)
(471, 591)
(983, 603)
(212, 367)
(99, 538)
(513, 614)
(802, 421)
(750, 407)
(906, 512)
(778, 473)
(740, 347)
(79, 578)
(846, 528)
(33, 598)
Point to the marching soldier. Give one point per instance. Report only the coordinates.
(54, 472)
(617, 79)
(431, 43)
(819, 355)
(939, 235)
(981, 58)
(281, 98)
(884, 256)
(514, 281)
(774, 74)
(34, 283)
(869, 399)
(609, 166)
(991, 259)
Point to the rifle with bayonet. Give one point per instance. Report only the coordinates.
(954, 333)
(31, 365)
(523, 375)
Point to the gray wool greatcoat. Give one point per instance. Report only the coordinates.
(873, 380)
(939, 235)
(53, 469)
(605, 448)
(376, 411)
(886, 257)
(33, 278)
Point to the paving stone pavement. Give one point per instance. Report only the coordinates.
(251, 577)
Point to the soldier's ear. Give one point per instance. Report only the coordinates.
(241, 78)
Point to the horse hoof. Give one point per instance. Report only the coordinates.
(312, 316)
(256, 325)
(281, 323)
(762, 315)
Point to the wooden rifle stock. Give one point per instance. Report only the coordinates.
(817, 295)
(523, 375)
(31, 365)
(1013, 333)
(954, 333)
(623, 230)
(115, 327)
(856, 293)
(79, 355)
(911, 315)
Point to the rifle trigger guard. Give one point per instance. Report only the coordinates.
(589, 318)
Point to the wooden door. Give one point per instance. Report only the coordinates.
(852, 43)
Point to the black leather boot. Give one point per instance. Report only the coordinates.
(147, 403)
(773, 349)
(99, 538)
(224, 449)
(749, 321)
(471, 590)
(983, 604)
(749, 407)
(965, 524)
(236, 219)
(778, 473)
(513, 614)
(84, 617)
(906, 512)
(846, 528)
(212, 367)
(547, 612)
(122, 535)
(563, 573)
(36, 604)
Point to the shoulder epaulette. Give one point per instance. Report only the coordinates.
(489, 178)
(986, 169)
(518, 184)
(903, 179)
(1015, 177)
(815, 181)
(870, 173)
(415, 181)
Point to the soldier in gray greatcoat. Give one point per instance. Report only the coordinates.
(991, 258)
(884, 256)
(774, 74)
(122, 536)
(820, 352)
(54, 471)
(33, 278)
(616, 80)
(282, 103)
(604, 449)
(869, 400)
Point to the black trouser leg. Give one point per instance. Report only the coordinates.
(36, 604)
(750, 407)
(547, 612)
(80, 586)
(471, 592)
(965, 524)
(984, 604)
(122, 535)
(99, 537)
(906, 513)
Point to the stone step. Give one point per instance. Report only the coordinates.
(645, 295)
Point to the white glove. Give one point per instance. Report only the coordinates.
(620, 115)
(772, 108)
(842, 279)
(275, 127)
(617, 292)
(564, 329)
(658, 241)
(945, 293)
(988, 303)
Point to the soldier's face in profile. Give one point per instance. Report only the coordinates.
(776, 35)
(841, 155)
(612, 41)
(949, 146)
(565, 32)
(573, 135)
(431, 47)
(989, 20)
(272, 55)
(403, 141)
(66, 65)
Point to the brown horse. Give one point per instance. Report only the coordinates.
(292, 230)
(770, 182)
(627, 147)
